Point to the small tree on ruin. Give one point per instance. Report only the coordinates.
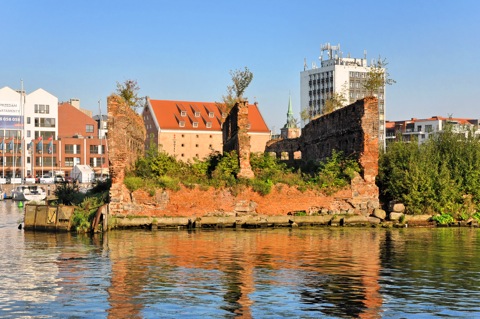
(241, 80)
(128, 90)
(377, 77)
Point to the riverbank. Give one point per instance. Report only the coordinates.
(263, 221)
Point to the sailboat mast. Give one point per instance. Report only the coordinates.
(100, 126)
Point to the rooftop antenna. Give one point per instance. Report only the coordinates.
(304, 64)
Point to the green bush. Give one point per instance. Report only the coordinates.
(85, 212)
(68, 194)
(260, 186)
(441, 175)
(336, 172)
(226, 168)
(168, 182)
(443, 219)
(133, 183)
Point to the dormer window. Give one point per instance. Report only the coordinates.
(183, 113)
(197, 114)
(249, 126)
(209, 124)
(195, 124)
(210, 115)
(181, 123)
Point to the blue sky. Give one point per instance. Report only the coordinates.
(184, 50)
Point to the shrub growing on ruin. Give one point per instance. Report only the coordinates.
(336, 172)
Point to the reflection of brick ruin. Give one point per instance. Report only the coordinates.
(239, 258)
(235, 137)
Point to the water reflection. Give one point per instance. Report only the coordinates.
(328, 273)
(323, 271)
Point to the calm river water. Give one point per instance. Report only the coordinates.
(282, 273)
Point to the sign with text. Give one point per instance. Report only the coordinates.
(10, 115)
(11, 122)
(10, 108)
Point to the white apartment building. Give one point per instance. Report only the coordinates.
(336, 74)
(421, 129)
(24, 118)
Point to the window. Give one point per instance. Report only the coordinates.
(72, 149)
(428, 128)
(419, 128)
(195, 124)
(94, 149)
(183, 113)
(181, 123)
(196, 145)
(69, 161)
(29, 133)
(42, 108)
(209, 124)
(197, 114)
(95, 162)
(210, 114)
(44, 122)
(28, 120)
(89, 128)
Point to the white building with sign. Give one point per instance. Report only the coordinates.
(26, 120)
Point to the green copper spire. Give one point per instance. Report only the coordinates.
(291, 122)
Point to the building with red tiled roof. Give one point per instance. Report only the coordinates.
(189, 130)
(78, 142)
(420, 129)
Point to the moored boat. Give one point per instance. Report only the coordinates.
(29, 193)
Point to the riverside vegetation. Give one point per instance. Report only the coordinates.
(440, 177)
(86, 204)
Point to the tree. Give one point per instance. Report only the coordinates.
(377, 77)
(128, 90)
(241, 80)
(334, 102)
(305, 114)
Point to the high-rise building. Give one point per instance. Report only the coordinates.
(344, 76)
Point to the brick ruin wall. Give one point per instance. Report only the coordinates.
(126, 137)
(353, 129)
(235, 137)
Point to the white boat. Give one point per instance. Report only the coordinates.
(29, 193)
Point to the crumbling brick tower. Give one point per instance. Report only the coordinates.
(235, 137)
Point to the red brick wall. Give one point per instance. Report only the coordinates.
(72, 121)
(126, 138)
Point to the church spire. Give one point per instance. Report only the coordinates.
(291, 122)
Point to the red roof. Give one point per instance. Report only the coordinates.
(185, 115)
